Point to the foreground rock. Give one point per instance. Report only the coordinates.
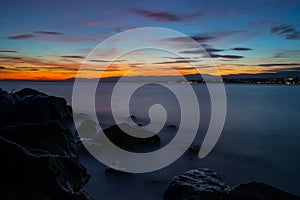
(51, 138)
(32, 106)
(38, 151)
(38, 176)
(205, 184)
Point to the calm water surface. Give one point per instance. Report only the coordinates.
(260, 140)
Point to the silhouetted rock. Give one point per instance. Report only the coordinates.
(50, 137)
(32, 106)
(120, 138)
(205, 184)
(25, 175)
(260, 191)
(38, 150)
(199, 184)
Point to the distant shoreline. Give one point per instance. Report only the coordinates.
(225, 81)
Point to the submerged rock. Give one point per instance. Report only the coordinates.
(205, 184)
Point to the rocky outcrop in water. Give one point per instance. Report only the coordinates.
(32, 106)
(122, 139)
(38, 152)
(205, 184)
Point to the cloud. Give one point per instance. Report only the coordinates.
(288, 31)
(287, 53)
(76, 57)
(106, 61)
(164, 15)
(241, 49)
(226, 56)
(48, 32)
(206, 37)
(182, 39)
(19, 68)
(278, 64)
(8, 51)
(202, 51)
(20, 37)
(290, 69)
(178, 61)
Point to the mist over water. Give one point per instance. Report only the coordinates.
(260, 140)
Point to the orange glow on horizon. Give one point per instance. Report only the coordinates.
(35, 69)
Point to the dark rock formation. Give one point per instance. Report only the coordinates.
(260, 191)
(122, 139)
(205, 184)
(197, 184)
(32, 106)
(38, 176)
(38, 152)
(51, 137)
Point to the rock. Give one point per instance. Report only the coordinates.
(38, 150)
(25, 175)
(194, 149)
(260, 191)
(50, 137)
(87, 128)
(202, 184)
(205, 184)
(9, 108)
(122, 139)
(32, 106)
(172, 126)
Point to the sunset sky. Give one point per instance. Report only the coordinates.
(50, 39)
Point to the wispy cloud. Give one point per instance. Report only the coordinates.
(198, 38)
(278, 64)
(49, 32)
(75, 57)
(288, 31)
(8, 51)
(202, 51)
(207, 37)
(241, 49)
(226, 56)
(178, 61)
(20, 37)
(165, 15)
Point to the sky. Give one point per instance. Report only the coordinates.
(51, 39)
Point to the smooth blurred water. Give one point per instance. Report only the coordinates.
(260, 140)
